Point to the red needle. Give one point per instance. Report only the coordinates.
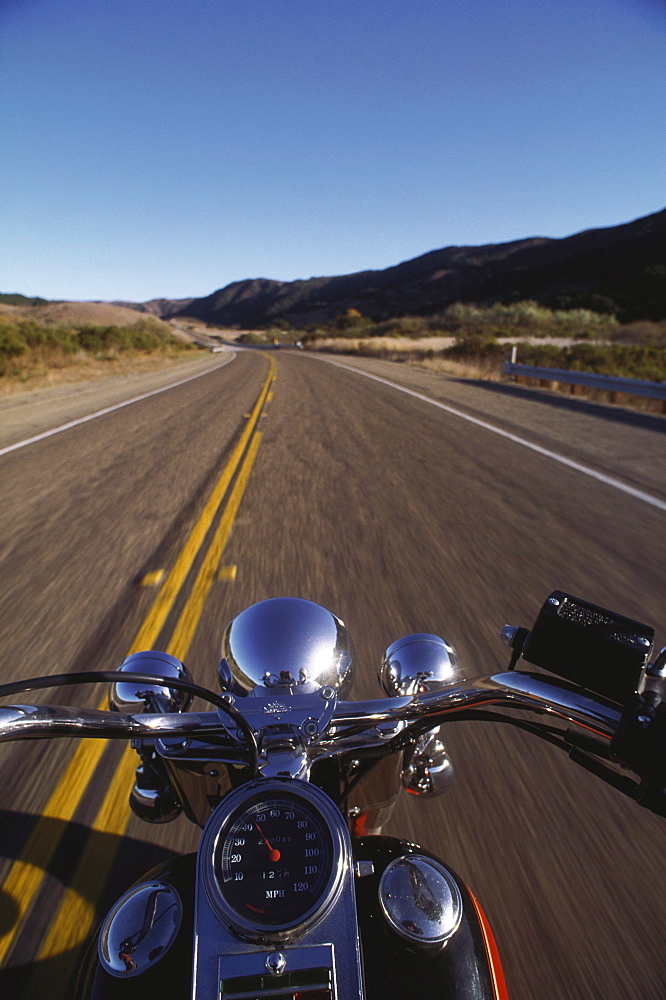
(273, 854)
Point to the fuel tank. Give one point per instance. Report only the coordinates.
(395, 962)
(467, 967)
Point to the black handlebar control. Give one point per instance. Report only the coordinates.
(598, 649)
(640, 739)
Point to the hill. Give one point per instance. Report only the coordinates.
(75, 313)
(621, 269)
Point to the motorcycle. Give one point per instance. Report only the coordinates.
(294, 892)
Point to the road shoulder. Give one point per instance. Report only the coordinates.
(34, 411)
(613, 440)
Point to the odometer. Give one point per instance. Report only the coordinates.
(275, 861)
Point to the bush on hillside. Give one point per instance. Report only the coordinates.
(626, 361)
(26, 343)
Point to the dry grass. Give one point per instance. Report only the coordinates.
(414, 352)
(96, 313)
(409, 345)
(378, 345)
(83, 368)
(488, 371)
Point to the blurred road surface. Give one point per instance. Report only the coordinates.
(400, 517)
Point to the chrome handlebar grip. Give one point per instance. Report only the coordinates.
(33, 721)
(512, 690)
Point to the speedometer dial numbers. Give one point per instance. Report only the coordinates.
(274, 860)
(277, 858)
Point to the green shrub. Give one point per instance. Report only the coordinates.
(352, 319)
(14, 299)
(12, 343)
(626, 361)
(252, 338)
(38, 343)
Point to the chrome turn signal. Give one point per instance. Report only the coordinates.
(428, 771)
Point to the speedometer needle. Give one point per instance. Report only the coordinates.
(273, 853)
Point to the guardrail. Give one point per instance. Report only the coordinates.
(609, 383)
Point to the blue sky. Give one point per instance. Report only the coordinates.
(168, 147)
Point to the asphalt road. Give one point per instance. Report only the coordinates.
(401, 517)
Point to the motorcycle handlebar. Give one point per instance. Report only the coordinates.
(595, 733)
(21, 722)
(503, 692)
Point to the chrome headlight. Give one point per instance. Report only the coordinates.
(285, 642)
(125, 697)
(419, 663)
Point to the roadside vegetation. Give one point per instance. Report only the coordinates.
(14, 299)
(273, 335)
(574, 339)
(29, 348)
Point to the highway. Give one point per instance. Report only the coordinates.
(400, 515)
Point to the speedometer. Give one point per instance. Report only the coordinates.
(276, 859)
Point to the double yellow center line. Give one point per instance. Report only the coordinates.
(73, 920)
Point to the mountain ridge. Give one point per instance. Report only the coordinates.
(619, 268)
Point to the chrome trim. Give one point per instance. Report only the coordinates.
(222, 952)
(658, 668)
(276, 963)
(53, 721)
(508, 633)
(340, 861)
(512, 690)
(373, 796)
(284, 757)
(134, 697)
(304, 715)
(420, 900)
(556, 699)
(260, 966)
(428, 770)
(419, 663)
(139, 930)
(285, 643)
(364, 868)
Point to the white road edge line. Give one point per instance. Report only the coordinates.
(586, 470)
(108, 409)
